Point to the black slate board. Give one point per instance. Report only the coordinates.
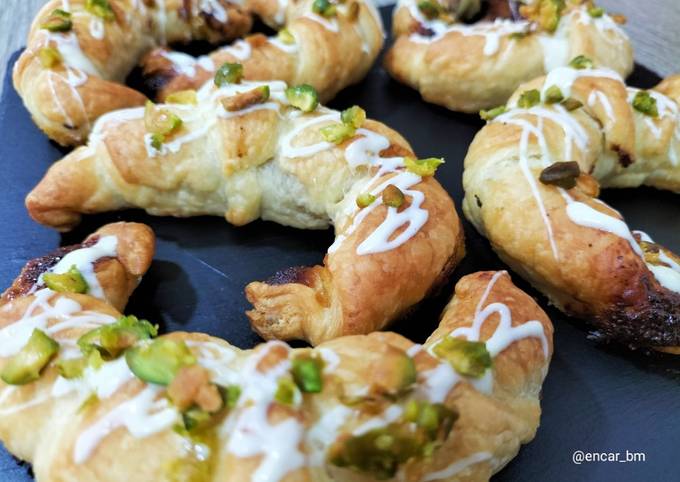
(596, 398)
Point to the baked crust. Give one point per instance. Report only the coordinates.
(67, 435)
(478, 66)
(67, 98)
(604, 274)
(272, 163)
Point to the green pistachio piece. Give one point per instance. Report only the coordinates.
(470, 358)
(366, 199)
(355, 116)
(581, 62)
(491, 114)
(562, 174)
(195, 418)
(303, 97)
(423, 167)
(392, 196)
(337, 133)
(228, 73)
(529, 98)
(324, 8)
(100, 8)
(187, 97)
(286, 37)
(230, 395)
(286, 391)
(645, 103)
(72, 367)
(595, 12)
(70, 282)
(110, 340)
(553, 95)
(159, 361)
(160, 122)
(50, 57)
(571, 104)
(307, 374)
(431, 9)
(58, 21)
(434, 418)
(545, 13)
(25, 366)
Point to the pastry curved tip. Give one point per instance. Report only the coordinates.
(136, 245)
(275, 314)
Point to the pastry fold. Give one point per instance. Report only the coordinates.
(326, 53)
(74, 71)
(551, 228)
(365, 408)
(270, 161)
(471, 66)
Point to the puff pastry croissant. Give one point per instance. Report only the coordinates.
(467, 65)
(531, 180)
(80, 52)
(111, 402)
(269, 160)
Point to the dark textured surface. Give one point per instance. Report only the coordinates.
(596, 398)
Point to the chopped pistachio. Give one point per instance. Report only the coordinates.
(581, 62)
(355, 116)
(392, 196)
(195, 418)
(49, 57)
(435, 418)
(286, 37)
(432, 9)
(324, 8)
(469, 358)
(303, 97)
(529, 98)
(25, 366)
(230, 395)
(71, 367)
(553, 95)
(58, 21)
(100, 8)
(110, 340)
(70, 282)
(491, 114)
(545, 13)
(518, 35)
(160, 123)
(228, 73)
(595, 12)
(307, 374)
(286, 391)
(337, 133)
(572, 104)
(159, 361)
(562, 174)
(243, 100)
(423, 167)
(182, 97)
(645, 103)
(89, 402)
(365, 199)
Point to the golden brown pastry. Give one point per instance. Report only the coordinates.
(532, 177)
(465, 59)
(327, 52)
(79, 52)
(102, 399)
(397, 233)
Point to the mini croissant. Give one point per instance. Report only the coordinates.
(244, 151)
(96, 396)
(532, 177)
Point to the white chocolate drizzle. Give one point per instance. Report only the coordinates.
(143, 415)
(438, 382)
(84, 260)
